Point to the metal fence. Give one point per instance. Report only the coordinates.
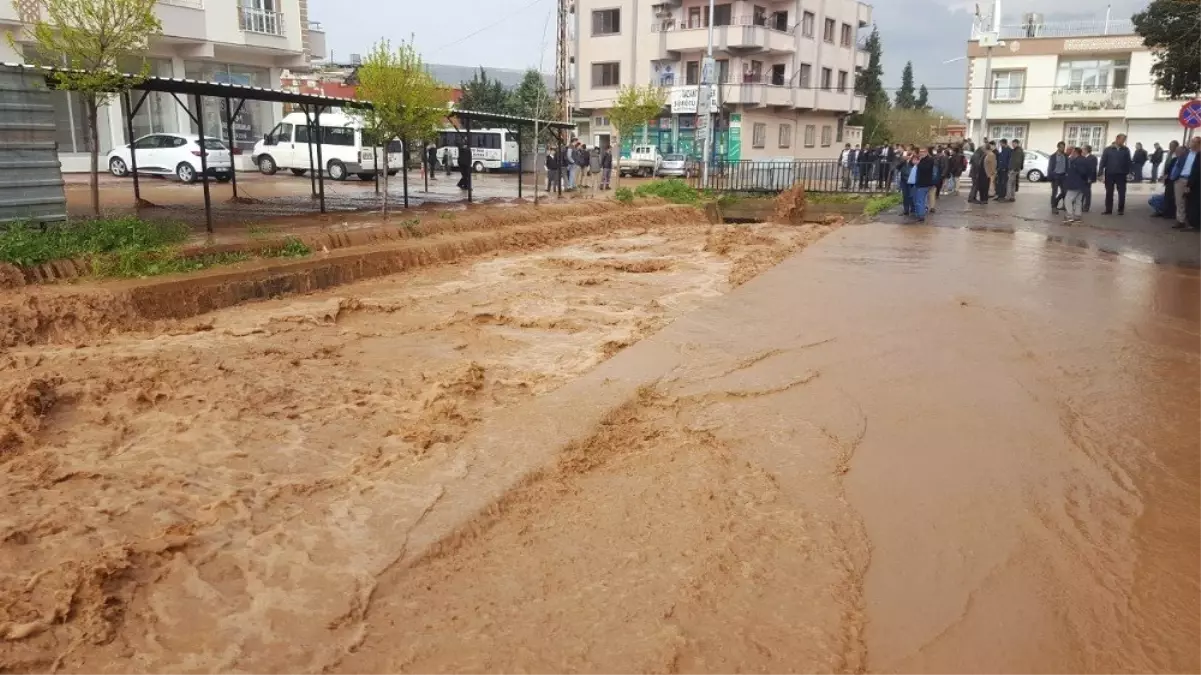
(817, 175)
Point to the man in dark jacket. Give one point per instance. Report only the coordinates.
(1087, 153)
(431, 162)
(1003, 155)
(1115, 166)
(464, 165)
(1139, 158)
(1156, 160)
(1169, 186)
(606, 167)
(1017, 159)
(1057, 167)
(1191, 173)
(1075, 182)
(921, 177)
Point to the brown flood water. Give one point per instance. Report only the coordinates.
(906, 449)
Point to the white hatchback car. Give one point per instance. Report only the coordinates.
(174, 154)
(1035, 167)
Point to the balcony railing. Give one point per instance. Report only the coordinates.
(1066, 29)
(261, 21)
(668, 25)
(1087, 99)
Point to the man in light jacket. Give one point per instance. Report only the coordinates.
(1116, 164)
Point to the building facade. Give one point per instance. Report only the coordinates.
(247, 42)
(1081, 83)
(786, 71)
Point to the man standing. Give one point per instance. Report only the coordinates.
(1115, 166)
(1092, 165)
(921, 179)
(1057, 168)
(583, 160)
(1075, 182)
(552, 169)
(1185, 174)
(1002, 180)
(845, 160)
(1169, 185)
(1017, 157)
(1139, 159)
(464, 165)
(986, 173)
(606, 167)
(431, 161)
(1156, 160)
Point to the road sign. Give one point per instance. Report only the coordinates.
(1190, 114)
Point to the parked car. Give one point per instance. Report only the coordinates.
(346, 148)
(644, 160)
(1035, 168)
(174, 154)
(681, 166)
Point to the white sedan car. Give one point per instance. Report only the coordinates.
(176, 155)
(1035, 167)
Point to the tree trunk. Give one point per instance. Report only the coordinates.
(385, 177)
(94, 143)
(615, 176)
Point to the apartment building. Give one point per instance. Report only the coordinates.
(247, 42)
(786, 71)
(1082, 83)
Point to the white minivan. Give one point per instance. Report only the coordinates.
(342, 148)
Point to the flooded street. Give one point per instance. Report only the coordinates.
(901, 449)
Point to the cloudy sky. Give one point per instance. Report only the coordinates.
(520, 33)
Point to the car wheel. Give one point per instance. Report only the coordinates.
(118, 168)
(267, 165)
(185, 172)
(337, 170)
(298, 172)
(478, 167)
(1034, 175)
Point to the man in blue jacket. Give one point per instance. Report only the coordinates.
(1004, 154)
(1115, 166)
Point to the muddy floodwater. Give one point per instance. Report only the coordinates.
(899, 449)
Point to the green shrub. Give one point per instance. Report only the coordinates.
(23, 244)
(292, 248)
(131, 263)
(673, 190)
(623, 195)
(877, 205)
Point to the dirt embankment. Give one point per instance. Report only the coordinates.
(222, 492)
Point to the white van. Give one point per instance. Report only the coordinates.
(342, 148)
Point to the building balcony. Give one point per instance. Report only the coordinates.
(182, 19)
(261, 22)
(764, 94)
(1087, 100)
(742, 35)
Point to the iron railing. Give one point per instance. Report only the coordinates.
(817, 175)
(261, 21)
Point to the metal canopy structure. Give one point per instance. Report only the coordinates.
(234, 97)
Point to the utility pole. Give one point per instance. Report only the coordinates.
(704, 106)
(562, 86)
(989, 39)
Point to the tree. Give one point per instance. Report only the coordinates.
(634, 106)
(90, 37)
(407, 102)
(1172, 29)
(905, 97)
(870, 85)
(483, 94)
(916, 126)
(923, 98)
(531, 99)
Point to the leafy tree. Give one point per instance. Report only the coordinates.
(484, 94)
(1172, 29)
(634, 106)
(923, 98)
(917, 126)
(870, 85)
(905, 98)
(407, 102)
(531, 99)
(91, 36)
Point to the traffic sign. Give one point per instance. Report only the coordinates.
(1190, 114)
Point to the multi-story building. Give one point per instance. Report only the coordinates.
(786, 71)
(237, 41)
(1081, 83)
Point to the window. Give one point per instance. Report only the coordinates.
(752, 72)
(827, 77)
(600, 121)
(777, 74)
(805, 78)
(723, 15)
(759, 16)
(606, 22)
(698, 17)
(337, 136)
(302, 133)
(828, 33)
(1086, 75)
(810, 135)
(1010, 131)
(839, 132)
(827, 135)
(842, 81)
(1084, 134)
(846, 35)
(692, 72)
(759, 138)
(283, 133)
(785, 135)
(723, 70)
(606, 74)
(1007, 85)
(807, 22)
(152, 142)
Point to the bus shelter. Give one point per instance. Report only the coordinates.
(232, 97)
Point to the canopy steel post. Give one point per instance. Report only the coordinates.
(229, 134)
(404, 169)
(520, 169)
(375, 165)
(470, 163)
(320, 158)
(133, 150)
(308, 125)
(204, 165)
(559, 161)
(428, 167)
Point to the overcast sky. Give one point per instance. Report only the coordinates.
(520, 33)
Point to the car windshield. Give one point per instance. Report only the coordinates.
(674, 158)
(212, 144)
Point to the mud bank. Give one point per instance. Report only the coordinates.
(61, 314)
(224, 493)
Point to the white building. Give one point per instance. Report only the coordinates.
(1081, 83)
(238, 41)
(787, 70)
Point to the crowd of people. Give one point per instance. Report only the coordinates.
(994, 170)
(571, 166)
